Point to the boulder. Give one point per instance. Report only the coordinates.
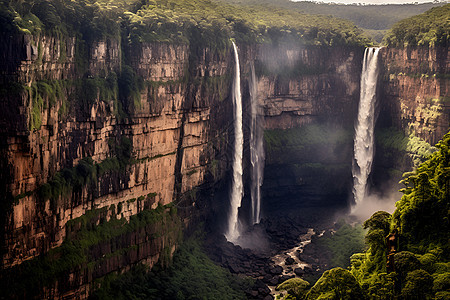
(276, 270)
(299, 271)
(289, 261)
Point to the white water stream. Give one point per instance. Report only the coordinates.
(237, 191)
(364, 137)
(256, 149)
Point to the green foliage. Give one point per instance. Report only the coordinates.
(63, 182)
(390, 140)
(418, 285)
(44, 94)
(130, 87)
(121, 149)
(431, 28)
(213, 23)
(441, 282)
(343, 243)
(336, 284)
(379, 227)
(191, 275)
(405, 262)
(422, 213)
(205, 22)
(296, 288)
(91, 89)
(421, 267)
(375, 17)
(381, 286)
(91, 229)
(37, 104)
(93, 19)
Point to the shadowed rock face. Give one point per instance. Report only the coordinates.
(415, 89)
(151, 149)
(167, 138)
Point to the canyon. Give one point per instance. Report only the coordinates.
(140, 138)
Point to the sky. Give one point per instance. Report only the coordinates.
(373, 1)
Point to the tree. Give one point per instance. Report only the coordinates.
(336, 284)
(418, 285)
(295, 287)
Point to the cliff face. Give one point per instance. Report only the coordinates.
(309, 111)
(106, 148)
(80, 136)
(413, 100)
(415, 89)
(313, 84)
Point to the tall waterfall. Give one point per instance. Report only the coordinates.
(363, 142)
(256, 149)
(237, 186)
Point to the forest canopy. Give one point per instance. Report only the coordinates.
(180, 21)
(377, 17)
(431, 28)
(420, 267)
(375, 20)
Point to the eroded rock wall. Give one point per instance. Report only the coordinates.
(414, 90)
(414, 110)
(95, 133)
(95, 145)
(310, 98)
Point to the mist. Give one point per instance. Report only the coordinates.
(255, 239)
(373, 203)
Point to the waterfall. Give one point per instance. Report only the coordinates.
(256, 149)
(363, 142)
(237, 186)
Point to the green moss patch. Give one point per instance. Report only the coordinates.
(78, 253)
(191, 275)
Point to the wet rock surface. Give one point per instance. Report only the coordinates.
(282, 250)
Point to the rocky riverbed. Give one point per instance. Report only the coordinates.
(272, 252)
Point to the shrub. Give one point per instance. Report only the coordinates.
(295, 287)
(336, 284)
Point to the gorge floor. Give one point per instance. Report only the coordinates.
(277, 249)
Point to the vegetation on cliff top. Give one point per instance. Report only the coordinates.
(375, 17)
(203, 21)
(174, 20)
(431, 28)
(375, 20)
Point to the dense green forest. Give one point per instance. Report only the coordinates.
(215, 22)
(418, 264)
(205, 21)
(191, 275)
(364, 16)
(374, 19)
(431, 28)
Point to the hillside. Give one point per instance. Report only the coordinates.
(431, 28)
(374, 19)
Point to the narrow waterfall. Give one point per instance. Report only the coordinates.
(256, 149)
(364, 139)
(237, 186)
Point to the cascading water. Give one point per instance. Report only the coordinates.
(237, 187)
(363, 142)
(256, 149)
